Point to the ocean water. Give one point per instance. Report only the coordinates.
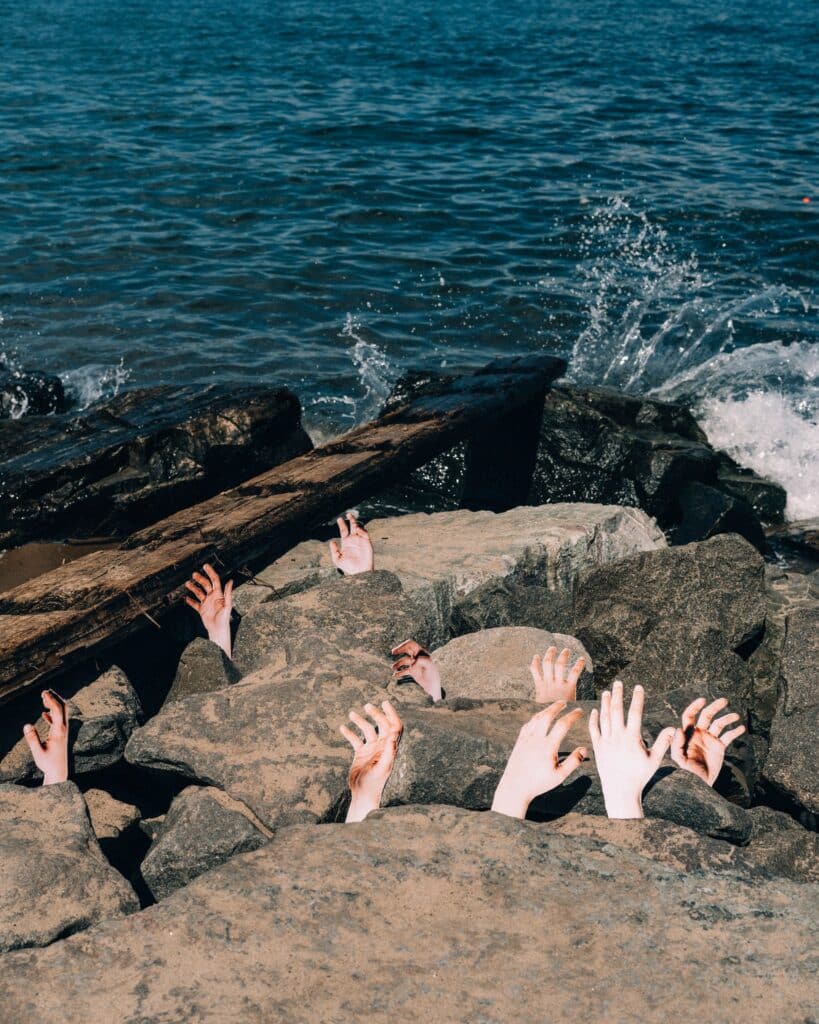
(325, 194)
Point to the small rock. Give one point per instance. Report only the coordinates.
(109, 817)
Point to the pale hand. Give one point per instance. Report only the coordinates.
(213, 604)
(533, 767)
(623, 762)
(413, 661)
(700, 745)
(51, 755)
(356, 552)
(373, 756)
(553, 678)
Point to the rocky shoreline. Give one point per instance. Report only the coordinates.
(216, 789)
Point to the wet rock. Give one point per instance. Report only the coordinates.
(495, 662)
(797, 544)
(29, 393)
(782, 846)
(102, 717)
(202, 829)
(54, 880)
(792, 767)
(663, 618)
(474, 570)
(705, 511)
(398, 893)
(203, 667)
(128, 461)
(766, 498)
(109, 817)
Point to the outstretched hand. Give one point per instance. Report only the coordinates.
(213, 604)
(373, 756)
(552, 680)
(700, 745)
(356, 552)
(51, 755)
(412, 660)
(533, 766)
(623, 762)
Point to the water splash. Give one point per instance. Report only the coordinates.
(375, 372)
(90, 383)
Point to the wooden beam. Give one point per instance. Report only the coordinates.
(61, 618)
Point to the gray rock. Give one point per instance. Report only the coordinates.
(203, 667)
(202, 829)
(436, 914)
(706, 511)
(658, 617)
(102, 717)
(782, 846)
(109, 817)
(495, 662)
(54, 880)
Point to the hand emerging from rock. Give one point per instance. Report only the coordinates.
(356, 552)
(373, 756)
(700, 745)
(623, 762)
(51, 755)
(213, 604)
(413, 661)
(533, 767)
(553, 679)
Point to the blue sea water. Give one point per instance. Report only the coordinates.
(326, 193)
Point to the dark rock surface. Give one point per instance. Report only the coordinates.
(203, 667)
(797, 543)
(127, 461)
(29, 393)
(782, 846)
(437, 914)
(54, 879)
(202, 829)
(705, 511)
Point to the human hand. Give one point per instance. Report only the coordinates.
(213, 605)
(413, 661)
(552, 682)
(533, 766)
(700, 745)
(356, 552)
(51, 755)
(623, 762)
(373, 757)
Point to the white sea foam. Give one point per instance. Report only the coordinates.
(93, 381)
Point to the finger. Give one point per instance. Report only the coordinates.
(409, 647)
(229, 595)
(189, 601)
(728, 738)
(577, 671)
(197, 591)
(678, 746)
(594, 726)
(396, 725)
(716, 727)
(562, 726)
(618, 722)
(549, 666)
(352, 738)
(689, 716)
(661, 745)
(404, 665)
(707, 714)
(561, 665)
(571, 763)
(335, 554)
(537, 672)
(56, 716)
(47, 717)
(213, 576)
(362, 723)
(545, 717)
(605, 713)
(378, 716)
(355, 529)
(342, 528)
(635, 711)
(33, 740)
(203, 582)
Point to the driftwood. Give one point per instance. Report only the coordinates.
(61, 618)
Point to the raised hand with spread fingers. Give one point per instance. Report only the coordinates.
(700, 745)
(51, 755)
(356, 552)
(534, 767)
(411, 660)
(213, 604)
(373, 756)
(553, 678)
(623, 762)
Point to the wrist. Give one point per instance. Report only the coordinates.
(220, 635)
(54, 778)
(623, 805)
(361, 804)
(510, 800)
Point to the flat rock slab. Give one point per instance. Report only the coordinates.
(479, 569)
(54, 879)
(495, 663)
(437, 914)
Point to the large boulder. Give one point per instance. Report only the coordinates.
(203, 667)
(495, 662)
(102, 717)
(54, 879)
(474, 570)
(782, 846)
(435, 914)
(202, 829)
(29, 393)
(669, 617)
(127, 461)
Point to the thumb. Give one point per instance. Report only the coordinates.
(571, 763)
(661, 745)
(228, 595)
(335, 554)
(678, 746)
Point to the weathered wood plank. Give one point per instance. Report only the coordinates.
(58, 619)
